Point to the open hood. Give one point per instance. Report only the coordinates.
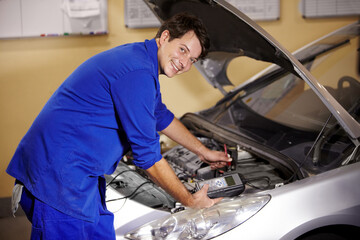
(233, 34)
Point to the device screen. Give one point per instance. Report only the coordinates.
(230, 181)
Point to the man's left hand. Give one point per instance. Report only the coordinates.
(215, 159)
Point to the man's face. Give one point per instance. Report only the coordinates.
(177, 56)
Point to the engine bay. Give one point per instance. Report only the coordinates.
(257, 174)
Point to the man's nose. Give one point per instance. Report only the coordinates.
(185, 61)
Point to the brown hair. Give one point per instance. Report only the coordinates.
(180, 24)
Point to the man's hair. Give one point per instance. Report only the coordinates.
(180, 24)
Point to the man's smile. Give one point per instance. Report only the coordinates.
(174, 66)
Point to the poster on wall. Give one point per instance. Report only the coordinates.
(258, 10)
(329, 8)
(138, 15)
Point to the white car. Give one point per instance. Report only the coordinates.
(293, 131)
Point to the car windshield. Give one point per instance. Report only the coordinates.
(289, 100)
(279, 110)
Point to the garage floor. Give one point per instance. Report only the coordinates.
(11, 228)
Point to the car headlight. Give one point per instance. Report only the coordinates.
(203, 223)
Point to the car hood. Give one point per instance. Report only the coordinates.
(233, 34)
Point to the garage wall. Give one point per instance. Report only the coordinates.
(32, 68)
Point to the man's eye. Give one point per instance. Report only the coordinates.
(182, 49)
(193, 60)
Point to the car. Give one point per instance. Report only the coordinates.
(292, 130)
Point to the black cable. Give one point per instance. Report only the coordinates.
(248, 182)
(112, 180)
(131, 194)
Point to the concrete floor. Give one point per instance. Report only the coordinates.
(18, 228)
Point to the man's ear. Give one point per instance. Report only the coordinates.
(165, 36)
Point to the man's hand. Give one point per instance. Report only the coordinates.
(163, 175)
(178, 133)
(201, 200)
(215, 159)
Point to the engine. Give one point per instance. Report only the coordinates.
(257, 173)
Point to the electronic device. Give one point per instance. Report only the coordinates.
(225, 186)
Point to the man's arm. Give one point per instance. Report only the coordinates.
(163, 175)
(180, 134)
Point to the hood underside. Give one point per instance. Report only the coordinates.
(227, 32)
(234, 34)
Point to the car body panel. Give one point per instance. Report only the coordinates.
(129, 214)
(319, 194)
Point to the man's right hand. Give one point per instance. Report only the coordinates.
(163, 175)
(201, 200)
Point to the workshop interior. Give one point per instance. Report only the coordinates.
(233, 101)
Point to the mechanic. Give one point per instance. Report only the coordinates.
(110, 104)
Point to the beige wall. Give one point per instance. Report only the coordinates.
(32, 68)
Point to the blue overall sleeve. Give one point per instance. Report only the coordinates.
(138, 103)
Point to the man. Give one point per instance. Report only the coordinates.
(107, 106)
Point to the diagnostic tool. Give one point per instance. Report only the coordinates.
(224, 186)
